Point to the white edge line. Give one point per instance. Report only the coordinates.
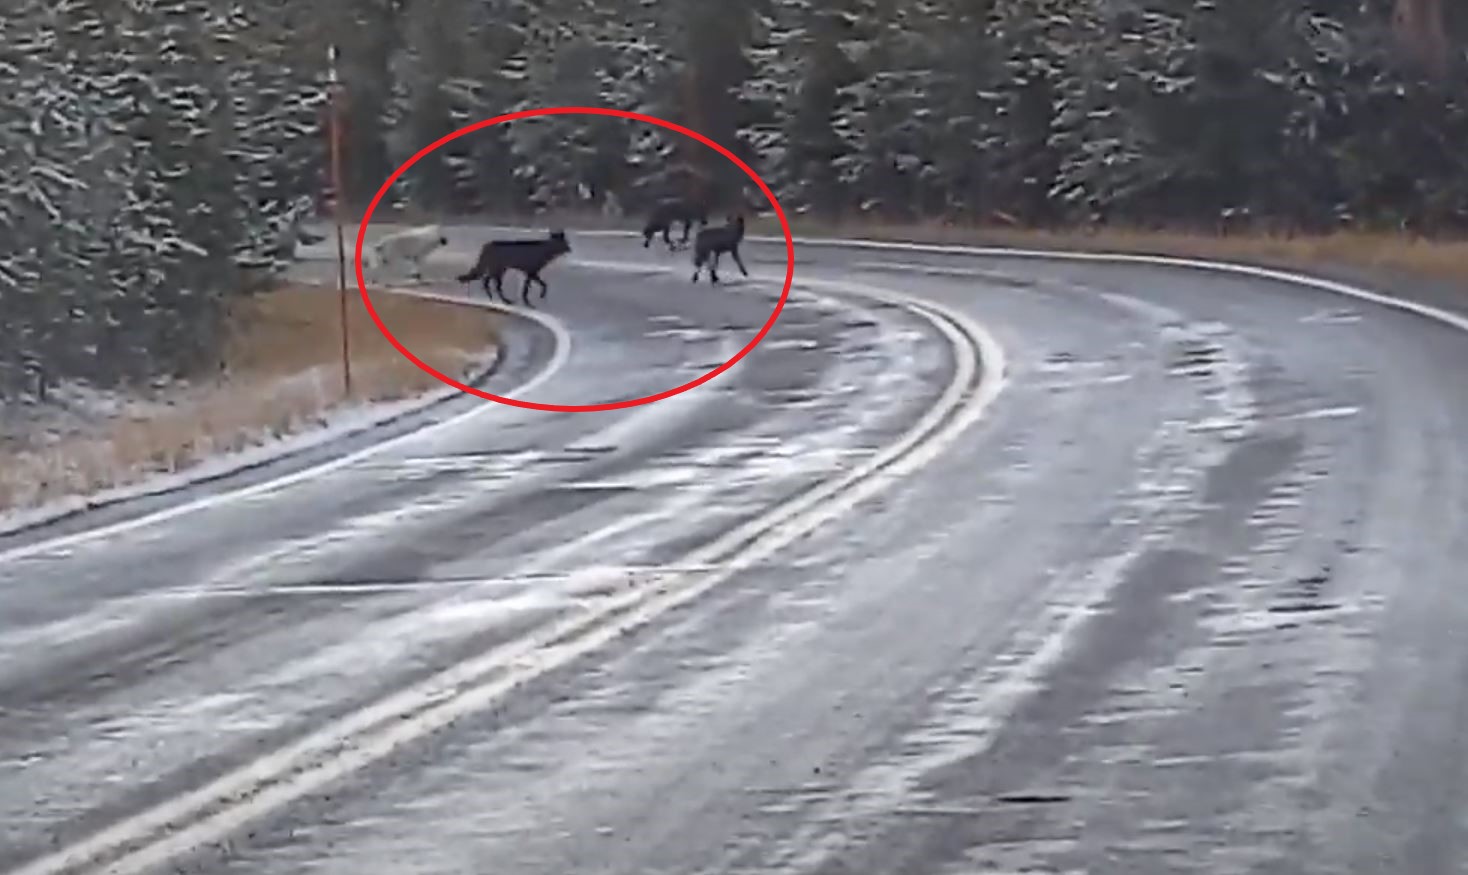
(282, 776)
(557, 361)
(1285, 276)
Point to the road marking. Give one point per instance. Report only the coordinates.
(210, 813)
(1343, 412)
(930, 270)
(558, 360)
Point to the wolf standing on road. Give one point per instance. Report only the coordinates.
(711, 242)
(527, 256)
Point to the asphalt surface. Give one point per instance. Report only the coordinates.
(1184, 599)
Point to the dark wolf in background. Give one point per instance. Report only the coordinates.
(529, 257)
(712, 242)
(674, 211)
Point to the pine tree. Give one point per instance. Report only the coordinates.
(964, 94)
(371, 34)
(884, 120)
(779, 54)
(278, 147)
(711, 41)
(566, 159)
(478, 166)
(172, 235)
(811, 58)
(1120, 69)
(633, 75)
(37, 274)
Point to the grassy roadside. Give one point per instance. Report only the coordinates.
(1376, 253)
(1441, 260)
(281, 376)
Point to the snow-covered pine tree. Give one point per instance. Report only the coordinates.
(558, 157)
(779, 53)
(171, 239)
(633, 75)
(799, 71)
(278, 142)
(43, 268)
(884, 121)
(482, 86)
(1356, 118)
(1116, 64)
(421, 112)
(711, 40)
(962, 93)
(370, 35)
(463, 62)
(1029, 40)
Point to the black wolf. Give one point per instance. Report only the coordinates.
(711, 242)
(527, 256)
(668, 213)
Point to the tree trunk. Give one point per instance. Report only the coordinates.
(1420, 31)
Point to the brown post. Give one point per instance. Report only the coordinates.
(334, 83)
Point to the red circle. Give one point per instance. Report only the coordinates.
(579, 110)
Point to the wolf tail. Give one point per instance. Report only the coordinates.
(475, 272)
(480, 268)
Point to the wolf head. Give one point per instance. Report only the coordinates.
(559, 243)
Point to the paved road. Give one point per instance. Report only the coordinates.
(1182, 597)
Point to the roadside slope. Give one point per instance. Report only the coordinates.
(278, 409)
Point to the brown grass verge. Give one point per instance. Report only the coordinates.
(281, 375)
(1441, 259)
(1436, 259)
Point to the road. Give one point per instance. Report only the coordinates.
(975, 565)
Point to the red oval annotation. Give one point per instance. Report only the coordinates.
(578, 110)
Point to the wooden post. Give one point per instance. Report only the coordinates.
(338, 205)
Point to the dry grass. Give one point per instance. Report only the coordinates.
(282, 375)
(1436, 259)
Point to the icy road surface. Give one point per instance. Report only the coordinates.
(1179, 591)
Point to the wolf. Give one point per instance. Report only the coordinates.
(414, 245)
(527, 256)
(711, 242)
(668, 213)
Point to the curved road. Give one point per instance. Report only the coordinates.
(976, 565)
